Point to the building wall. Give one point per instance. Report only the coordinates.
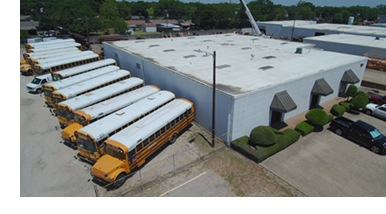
(150, 29)
(344, 48)
(181, 86)
(235, 116)
(253, 109)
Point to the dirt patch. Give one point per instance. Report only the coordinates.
(247, 178)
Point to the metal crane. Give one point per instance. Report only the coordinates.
(251, 19)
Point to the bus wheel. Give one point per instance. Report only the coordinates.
(120, 180)
(173, 138)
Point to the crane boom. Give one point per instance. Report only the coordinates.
(251, 19)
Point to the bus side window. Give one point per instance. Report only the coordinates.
(168, 126)
(139, 147)
(131, 154)
(157, 134)
(172, 123)
(145, 142)
(163, 130)
(177, 119)
(151, 138)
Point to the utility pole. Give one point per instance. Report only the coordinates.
(214, 99)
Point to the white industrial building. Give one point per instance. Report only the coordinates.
(299, 28)
(259, 81)
(349, 44)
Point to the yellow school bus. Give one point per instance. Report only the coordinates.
(129, 148)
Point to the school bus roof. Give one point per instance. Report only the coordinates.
(101, 128)
(148, 125)
(63, 56)
(85, 67)
(106, 107)
(48, 65)
(73, 90)
(81, 77)
(48, 52)
(100, 94)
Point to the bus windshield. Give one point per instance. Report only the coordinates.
(64, 113)
(86, 144)
(36, 81)
(116, 154)
(56, 100)
(47, 93)
(56, 78)
(79, 119)
(38, 71)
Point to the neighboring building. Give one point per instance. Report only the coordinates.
(168, 27)
(134, 24)
(381, 19)
(349, 44)
(164, 21)
(149, 27)
(309, 29)
(26, 23)
(259, 81)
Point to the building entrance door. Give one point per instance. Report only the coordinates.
(314, 101)
(276, 117)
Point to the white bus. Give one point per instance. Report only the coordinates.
(90, 138)
(45, 68)
(60, 57)
(131, 147)
(48, 43)
(26, 55)
(54, 86)
(88, 115)
(44, 55)
(54, 47)
(65, 109)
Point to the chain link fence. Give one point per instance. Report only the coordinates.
(190, 151)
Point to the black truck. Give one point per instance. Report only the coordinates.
(361, 132)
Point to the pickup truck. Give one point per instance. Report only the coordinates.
(361, 132)
(376, 110)
(377, 99)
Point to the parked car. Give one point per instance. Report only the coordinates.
(376, 110)
(377, 99)
(361, 132)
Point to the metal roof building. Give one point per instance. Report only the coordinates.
(310, 29)
(350, 44)
(259, 81)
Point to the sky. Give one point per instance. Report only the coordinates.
(333, 3)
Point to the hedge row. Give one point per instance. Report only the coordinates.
(304, 128)
(260, 153)
(337, 110)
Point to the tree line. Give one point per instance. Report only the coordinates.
(103, 14)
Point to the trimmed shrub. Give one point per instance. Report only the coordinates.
(330, 117)
(304, 128)
(260, 153)
(337, 110)
(263, 136)
(346, 105)
(351, 91)
(317, 117)
(359, 102)
(362, 93)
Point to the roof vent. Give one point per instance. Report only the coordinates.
(377, 38)
(151, 98)
(246, 48)
(88, 94)
(266, 67)
(208, 40)
(299, 50)
(122, 82)
(284, 43)
(139, 41)
(222, 66)
(151, 46)
(120, 112)
(223, 44)
(191, 37)
(189, 56)
(269, 57)
(169, 50)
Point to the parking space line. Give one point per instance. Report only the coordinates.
(182, 184)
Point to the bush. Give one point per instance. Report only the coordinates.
(260, 153)
(263, 136)
(359, 102)
(330, 117)
(346, 105)
(24, 34)
(317, 117)
(337, 110)
(351, 91)
(362, 93)
(304, 128)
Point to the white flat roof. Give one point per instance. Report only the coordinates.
(348, 39)
(342, 28)
(244, 63)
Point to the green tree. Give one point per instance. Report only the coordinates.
(23, 34)
(111, 17)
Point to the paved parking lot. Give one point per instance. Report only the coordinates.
(325, 164)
